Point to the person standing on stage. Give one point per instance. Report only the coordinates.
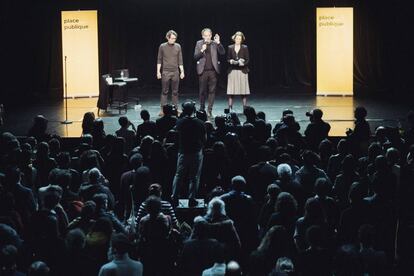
(169, 60)
(237, 80)
(208, 66)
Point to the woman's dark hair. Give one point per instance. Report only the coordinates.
(314, 210)
(286, 204)
(275, 241)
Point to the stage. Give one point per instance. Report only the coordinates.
(338, 111)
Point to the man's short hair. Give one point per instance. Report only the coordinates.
(120, 243)
(171, 32)
(206, 30)
(145, 114)
(123, 121)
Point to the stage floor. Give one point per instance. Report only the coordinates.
(338, 111)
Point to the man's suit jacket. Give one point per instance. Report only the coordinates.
(201, 59)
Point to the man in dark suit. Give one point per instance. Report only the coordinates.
(208, 66)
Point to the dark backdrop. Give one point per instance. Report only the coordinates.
(280, 35)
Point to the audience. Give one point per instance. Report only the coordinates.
(290, 204)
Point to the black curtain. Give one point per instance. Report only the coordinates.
(280, 35)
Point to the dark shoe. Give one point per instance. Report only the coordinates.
(192, 202)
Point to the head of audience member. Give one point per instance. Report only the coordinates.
(381, 164)
(63, 160)
(272, 192)
(220, 122)
(188, 108)
(310, 158)
(158, 152)
(209, 128)
(75, 240)
(342, 147)
(216, 192)
(155, 189)
(284, 266)
(120, 244)
(348, 164)
(135, 161)
(284, 171)
(39, 125)
(123, 121)
(260, 130)
(234, 119)
(146, 146)
(98, 127)
(261, 115)
(356, 194)
(325, 148)
(219, 150)
(38, 268)
(272, 144)
(51, 200)
(286, 204)
(169, 110)
(374, 150)
(314, 211)
(171, 137)
(101, 201)
(275, 241)
(216, 208)
(145, 116)
(86, 139)
(42, 151)
(202, 115)
(88, 210)
(315, 115)
(238, 183)
(381, 134)
(153, 206)
(8, 259)
(322, 187)
(393, 156)
(54, 145)
(250, 114)
(360, 113)
(200, 228)
(94, 176)
(286, 112)
(233, 269)
(87, 122)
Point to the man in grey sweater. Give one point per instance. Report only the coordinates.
(170, 68)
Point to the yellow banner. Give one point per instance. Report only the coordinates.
(334, 51)
(80, 48)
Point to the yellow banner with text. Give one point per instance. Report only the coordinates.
(334, 51)
(80, 53)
